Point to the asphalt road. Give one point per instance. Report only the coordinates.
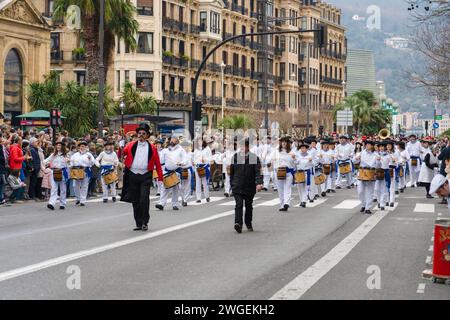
(321, 252)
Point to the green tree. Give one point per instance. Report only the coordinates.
(367, 96)
(237, 122)
(135, 102)
(42, 95)
(119, 22)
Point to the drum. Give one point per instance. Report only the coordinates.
(110, 177)
(400, 172)
(366, 174)
(57, 175)
(155, 174)
(320, 179)
(229, 170)
(327, 169)
(380, 174)
(345, 168)
(414, 162)
(391, 172)
(201, 172)
(185, 174)
(77, 173)
(171, 180)
(300, 177)
(281, 173)
(357, 166)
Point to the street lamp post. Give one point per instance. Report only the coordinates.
(122, 107)
(101, 69)
(222, 68)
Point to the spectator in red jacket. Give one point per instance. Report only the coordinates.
(16, 156)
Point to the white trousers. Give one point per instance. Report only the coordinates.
(365, 193)
(285, 190)
(112, 188)
(199, 182)
(227, 183)
(185, 188)
(80, 188)
(54, 192)
(347, 177)
(414, 172)
(302, 192)
(391, 190)
(382, 192)
(165, 195)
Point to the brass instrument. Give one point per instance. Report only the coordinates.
(383, 134)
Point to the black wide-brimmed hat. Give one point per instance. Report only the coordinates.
(82, 142)
(369, 142)
(143, 126)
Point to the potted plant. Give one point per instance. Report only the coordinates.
(78, 54)
(167, 54)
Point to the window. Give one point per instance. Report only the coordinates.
(225, 57)
(163, 43)
(203, 21)
(127, 76)
(282, 97)
(145, 42)
(181, 85)
(81, 77)
(54, 41)
(215, 22)
(181, 48)
(172, 84)
(283, 70)
(144, 7)
(13, 81)
(49, 8)
(144, 80)
(163, 82)
(118, 45)
(242, 92)
(204, 87)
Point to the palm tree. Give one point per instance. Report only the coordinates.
(119, 22)
(237, 122)
(135, 102)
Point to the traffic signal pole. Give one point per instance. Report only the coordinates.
(196, 105)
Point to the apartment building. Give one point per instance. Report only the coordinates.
(24, 51)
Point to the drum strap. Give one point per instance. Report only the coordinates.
(105, 169)
(387, 178)
(308, 177)
(397, 174)
(417, 158)
(191, 170)
(88, 172)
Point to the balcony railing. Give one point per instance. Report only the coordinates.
(176, 97)
(332, 81)
(260, 105)
(56, 56)
(333, 54)
(279, 51)
(174, 25)
(301, 57)
(238, 103)
(326, 107)
(239, 9)
(78, 57)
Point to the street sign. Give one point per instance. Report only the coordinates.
(438, 117)
(435, 125)
(344, 118)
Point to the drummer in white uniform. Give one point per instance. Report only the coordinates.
(187, 173)
(108, 161)
(174, 159)
(303, 176)
(202, 159)
(227, 158)
(370, 161)
(82, 160)
(283, 161)
(415, 152)
(58, 162)
(344, 153)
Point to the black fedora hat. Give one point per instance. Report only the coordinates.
(143, 126)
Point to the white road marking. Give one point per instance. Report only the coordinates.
(430, 248)
(421, 288)
(232, 203)
(85, 253)
(428, 260)
(439, 214)
(302, 283)
(432, 239)
(269, 203)
(348, 204)
(424, 207)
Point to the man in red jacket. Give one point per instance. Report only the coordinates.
(141, 158)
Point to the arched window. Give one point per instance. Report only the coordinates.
(13, 83)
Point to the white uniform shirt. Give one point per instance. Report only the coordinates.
(57, 161)
(304, 161)
(344, 152)
(140, 161)
(85, 159)
(283, 159)
(404, 157)
(107, 159)
(174, 157)
(188, 159)
(369, 159)
(202, 156)
(413, 149)
(326, 157)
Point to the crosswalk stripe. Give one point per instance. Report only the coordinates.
(232, 203)
(316, 203)
(269, 203)
(424, 207)
(348, 204)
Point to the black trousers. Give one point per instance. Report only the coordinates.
(33, 184)
(238, 210)
(139, 189)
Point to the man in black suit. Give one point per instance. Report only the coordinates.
(245, 179)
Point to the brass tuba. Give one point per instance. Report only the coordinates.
(383, 134)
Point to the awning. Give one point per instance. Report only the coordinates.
(41, 114)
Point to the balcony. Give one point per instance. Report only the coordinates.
(195, 64)
(282, 107)
(56, 56)
(301, 57)
(78, 57)
(194, 29)
(174, 25)
(260, 105)
(279, 51)
(176, 97)
(331, 81)
(239, 9)
(213, 67)
(254, 15)
(238, 103)
(326, 107)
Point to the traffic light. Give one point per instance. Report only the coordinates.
(197, 110)
(321, 36)
(320, 130)
(55, 115)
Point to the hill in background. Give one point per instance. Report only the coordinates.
(391, 64)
